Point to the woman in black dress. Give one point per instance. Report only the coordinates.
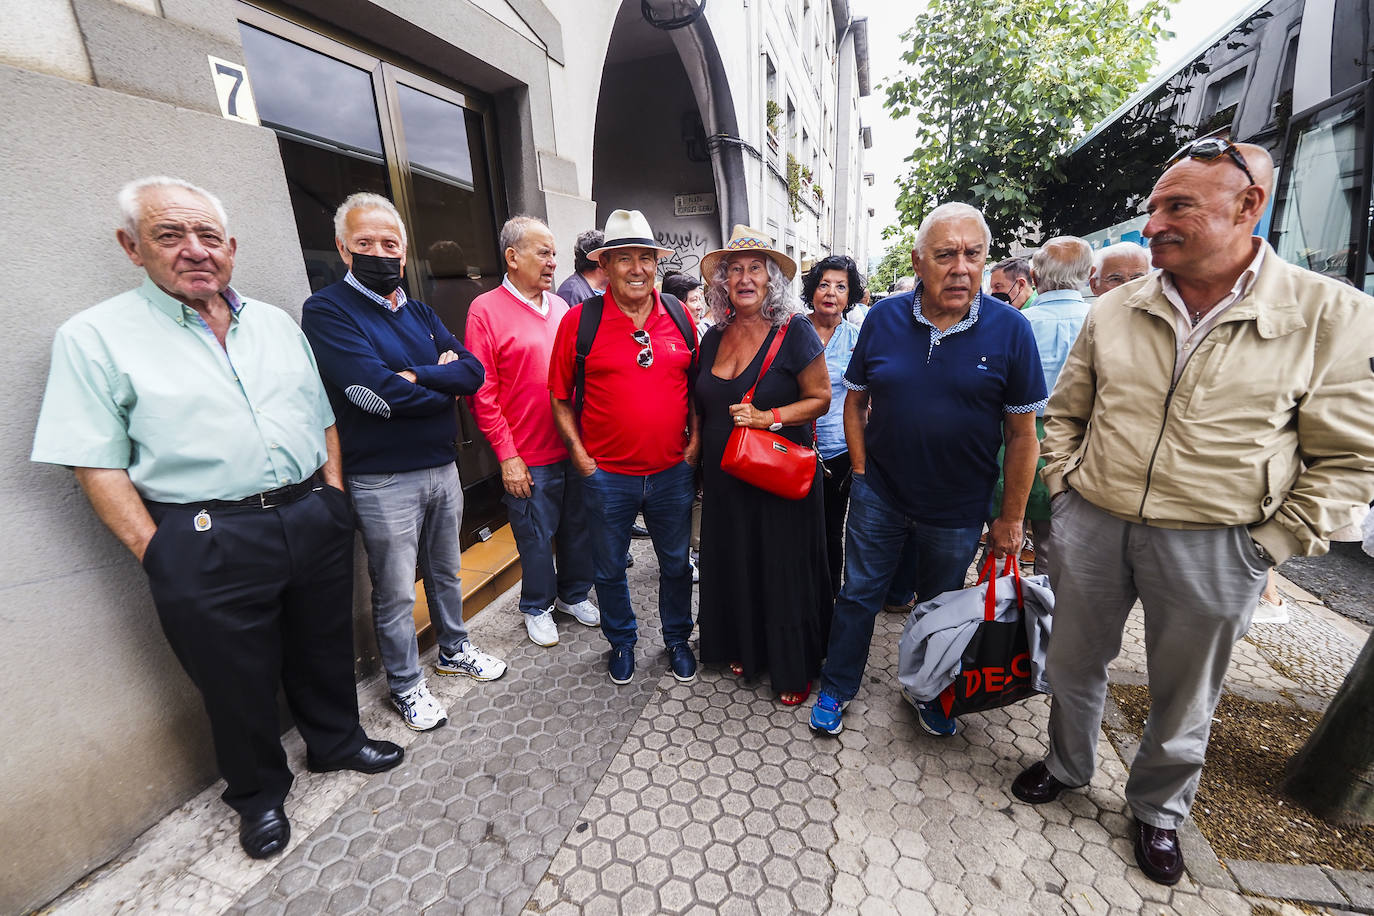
(765, 588)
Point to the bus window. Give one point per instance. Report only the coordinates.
(1321, 191)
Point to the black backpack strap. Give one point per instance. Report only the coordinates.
(687, 329)
(587, 326)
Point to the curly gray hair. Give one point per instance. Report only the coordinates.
(778, 303)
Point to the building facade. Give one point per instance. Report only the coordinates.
(465, 113)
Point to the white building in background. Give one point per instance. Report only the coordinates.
(464, 112)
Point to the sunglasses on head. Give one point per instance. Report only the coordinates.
(1210, 148)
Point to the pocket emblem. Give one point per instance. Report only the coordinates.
(202, 521)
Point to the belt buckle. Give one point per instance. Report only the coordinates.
(266, 499)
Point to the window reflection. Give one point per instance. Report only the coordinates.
(311, 95)
(1322, 187)
(436, 137)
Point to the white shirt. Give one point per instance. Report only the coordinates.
(542, 306)
(1188, 335)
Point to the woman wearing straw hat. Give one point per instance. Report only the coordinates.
(765, 586)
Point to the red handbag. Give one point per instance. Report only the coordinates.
(763, 458)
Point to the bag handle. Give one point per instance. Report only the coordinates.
(768, 359)
(1009, 566)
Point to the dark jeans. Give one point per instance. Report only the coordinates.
(613, 501)
(836, 502)
(876, 535)
(261, 597)
(551, 523)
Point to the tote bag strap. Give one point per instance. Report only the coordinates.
(1010, 567)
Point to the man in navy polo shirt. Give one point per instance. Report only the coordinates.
(950, 375)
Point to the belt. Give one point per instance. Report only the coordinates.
(268, 499)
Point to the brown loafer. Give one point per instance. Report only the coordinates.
(1158, 854)
(1035, 785)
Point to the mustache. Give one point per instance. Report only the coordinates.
(1165, 239)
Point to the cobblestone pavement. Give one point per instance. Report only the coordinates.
(553, 791)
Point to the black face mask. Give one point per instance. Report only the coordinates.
(381, 275)
(1005, 297)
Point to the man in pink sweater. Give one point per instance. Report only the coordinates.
(511, 331)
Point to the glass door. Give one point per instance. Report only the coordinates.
(347, 121)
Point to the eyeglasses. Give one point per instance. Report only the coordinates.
(645, 357)
(1210, 148)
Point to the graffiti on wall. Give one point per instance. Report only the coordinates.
(688, 249)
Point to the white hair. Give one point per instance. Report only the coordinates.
(947, 212)
(131, 200)
(1063, 262)
(365, 200)
(778, 301)
(514, 231)
(1121, 249)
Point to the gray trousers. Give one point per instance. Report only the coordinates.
(1199, 589)
(407, 519)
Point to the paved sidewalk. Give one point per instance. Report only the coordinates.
(553, 791)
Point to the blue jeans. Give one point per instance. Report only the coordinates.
(405, 518)
(612, 502)
(875, 536)
(552, 520)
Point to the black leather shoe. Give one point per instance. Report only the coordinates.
(1158, 854)
(1035, 785)
(266, 834)
(372, 757)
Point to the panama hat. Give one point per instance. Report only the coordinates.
(628, 229)
(746, 239)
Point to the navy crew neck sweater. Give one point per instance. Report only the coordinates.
(385, 423)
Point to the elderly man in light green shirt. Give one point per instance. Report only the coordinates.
(197, 425)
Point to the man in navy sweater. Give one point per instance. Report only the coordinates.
(392, 371)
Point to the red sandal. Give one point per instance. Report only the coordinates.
(737, 669)
(798, 697)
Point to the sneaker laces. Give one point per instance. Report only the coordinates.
(827, 702)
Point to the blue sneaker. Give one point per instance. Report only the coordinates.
(934, 721)
(622, 665)
(825, 715)
(683, 663)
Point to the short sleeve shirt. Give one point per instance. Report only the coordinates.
(139, 382)
(830, 428)
(634, 419)
(938, 401)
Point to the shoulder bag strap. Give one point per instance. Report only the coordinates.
(767, 360)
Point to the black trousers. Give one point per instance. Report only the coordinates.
(836, 501)
(257, 598)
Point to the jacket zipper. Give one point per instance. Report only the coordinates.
(1150, 469)
(1168, 399)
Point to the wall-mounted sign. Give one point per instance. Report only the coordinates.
(694, 204)
(235, 95)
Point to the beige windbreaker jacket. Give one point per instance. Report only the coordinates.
(1271, 424)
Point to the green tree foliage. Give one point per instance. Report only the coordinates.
(1002, 88)
(896, 263)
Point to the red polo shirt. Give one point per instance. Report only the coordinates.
(634, 420)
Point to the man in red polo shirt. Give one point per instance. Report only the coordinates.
(635, 441)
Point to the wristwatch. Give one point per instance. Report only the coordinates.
(777, 420)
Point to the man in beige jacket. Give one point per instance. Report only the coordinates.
(1213, 419)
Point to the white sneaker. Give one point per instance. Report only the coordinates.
(419, 709)
(541, 628)
(1269, 612)
(470, 661)
(583, 611)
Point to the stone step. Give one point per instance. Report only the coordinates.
(489, 568)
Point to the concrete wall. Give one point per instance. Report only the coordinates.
(104, 733)
(640, 156)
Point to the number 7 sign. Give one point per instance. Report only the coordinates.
(235, 94)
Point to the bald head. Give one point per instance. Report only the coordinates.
(1118, 264)
(1261, 166)
(1061, 263)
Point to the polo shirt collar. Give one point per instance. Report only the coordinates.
(383, 301)
(175, 308)
(963, 324)
(1056, 296)
(658, 303)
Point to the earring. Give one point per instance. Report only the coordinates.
(730, 312)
